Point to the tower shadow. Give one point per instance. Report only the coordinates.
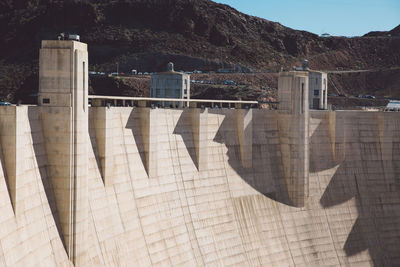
(365, 176)
(184, 128)
(266, 174)
(38, 143)
(135, 123)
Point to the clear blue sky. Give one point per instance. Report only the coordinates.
(336, 17)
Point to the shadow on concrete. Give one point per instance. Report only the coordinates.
(373, 182)
(38, 143)
(93, 142)
(184, 128)
(266, 175)
(134, 123)
(5, 176)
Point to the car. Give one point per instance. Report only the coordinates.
(5, 104)
(229, 82)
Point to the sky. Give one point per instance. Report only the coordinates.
(336, 17)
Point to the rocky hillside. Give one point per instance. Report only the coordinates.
(146, 34)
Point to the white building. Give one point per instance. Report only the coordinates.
(170, 84)
(318, 89)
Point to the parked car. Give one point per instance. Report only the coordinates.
(229, 82)
(5, 104)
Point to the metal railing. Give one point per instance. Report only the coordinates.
(98, 100)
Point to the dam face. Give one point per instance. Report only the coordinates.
(125, 186)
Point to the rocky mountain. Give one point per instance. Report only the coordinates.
(195, 34)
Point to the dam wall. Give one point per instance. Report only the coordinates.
(204, 187)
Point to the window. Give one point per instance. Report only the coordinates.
(316, 92)
(46, 100)
(185, 91)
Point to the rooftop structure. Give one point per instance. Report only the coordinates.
(170, 84)
(318, 89)
(317, 86)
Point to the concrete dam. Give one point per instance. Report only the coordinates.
(143, 186)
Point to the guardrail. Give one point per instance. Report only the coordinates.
(98, 100)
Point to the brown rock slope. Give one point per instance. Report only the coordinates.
(145, 35)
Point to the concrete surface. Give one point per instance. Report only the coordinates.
(221, 214)
(125, 186)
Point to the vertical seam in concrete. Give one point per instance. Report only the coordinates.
(329, 227)
(97, 236)
(133, 191)
(184, 191)
(6, 177)
(235, 221)
(42, 206)
(2, 252)
(286, 239)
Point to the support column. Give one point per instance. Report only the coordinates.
(63, 96)
(244, 124)
(103, 122)
(148, 130)
(200, 137)
(12, 148)
(293, 122)
(332, 132)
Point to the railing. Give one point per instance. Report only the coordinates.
(98, 100)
